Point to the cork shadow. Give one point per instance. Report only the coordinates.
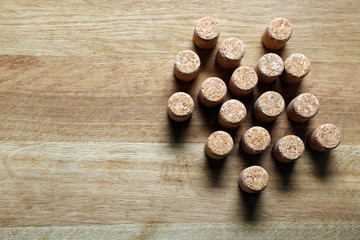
(250, 202)
(289, 91)
(285, 170)
(204, 54)
(300, 129)
(249, 159)
(279, 52)
(183, 86)
(178, 130)
(223, 73)
(209, 116)
(321, 162)
(214, 168)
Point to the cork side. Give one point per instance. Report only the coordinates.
(325, 137)
(180, 106)
(279, 30)
(207, 28)
(253, 179)
(288, 148)
(187, 62)
(219, 144)
(212, 91)
(243, 81)
(297, 65)
(270, 104)
(255, 140)
(231, 114)
(270, 65)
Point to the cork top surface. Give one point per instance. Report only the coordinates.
(244, 78)
(255, 178)
(207, 28)
(181, 104)
(213, 89)
(271, 65)
(233, 111)
(306, 105)
(279, 29)
(257, 138)
(187, 62)
(291, 147)
(328, 136)
(220, 143)
(297, 65)
(232, 49)
(271, 103)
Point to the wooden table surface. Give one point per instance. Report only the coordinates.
(87, 149)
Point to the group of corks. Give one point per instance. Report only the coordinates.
(266, 108)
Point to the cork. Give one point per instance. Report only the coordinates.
(303, 107)
(230, 53)
(277, 33)
(243, 81)
(297, 66)
(212, 92)
(324, 138)
(253, 179)
(218, 145)
(255, 140)
(232, 113)
(268, 106)
(288, 149)
(269, 67)
(206, 33)
(180, 106)
(187, 65)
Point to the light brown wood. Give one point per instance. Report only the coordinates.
(85, 138)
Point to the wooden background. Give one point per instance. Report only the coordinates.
(87, 149)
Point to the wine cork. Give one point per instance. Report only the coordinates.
(232, 114)
(253, 179)
(187, 65)
(269, 67)
(325, 138)
(218, 145)
(268, 106)
(180, 106)
(255, 140)
(206, 33)
(288, 149)
(230, 53)
(243, 81)
(277, 33)
(212, 92)
(303, 107)
(297, 66)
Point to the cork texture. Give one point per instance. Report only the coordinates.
(269, 67)
(219, 144)
(212, 91)
(230, 53)
(243, 81)
(187, 64)
(206, 32)
(232, 113)
(325, 137)
(253, 179)
(255, 140)
(297, 65)
(268, 106)
(180, 106)
(279, 30)
(288, 148)
(303, 107)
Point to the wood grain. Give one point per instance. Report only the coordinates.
(87, 150)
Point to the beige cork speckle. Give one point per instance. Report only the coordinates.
(212, 92)
(303, 107)
(218, 145)
(243, 81)
(180, 106)
(187, 65)
(255, 140)
(232, 114)
(206, 32)
(268, 106)
(297, 66)
(288, 148)
(230, 53)
(325, 138)
(269, 67)
(277, 33)
(253, 179)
